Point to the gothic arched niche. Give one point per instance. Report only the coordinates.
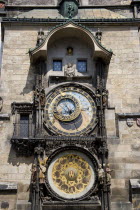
(98, 51)
(85, 50)
(70, 45)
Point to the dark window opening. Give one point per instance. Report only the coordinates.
(24, 125)
(82, 66)
(57, 65)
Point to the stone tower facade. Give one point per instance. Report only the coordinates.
(70, 105)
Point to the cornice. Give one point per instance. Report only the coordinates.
(56, 20)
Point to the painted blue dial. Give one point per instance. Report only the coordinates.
(66, 107)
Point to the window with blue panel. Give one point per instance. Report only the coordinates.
(82, 66)
(57, 65)
(24, 125)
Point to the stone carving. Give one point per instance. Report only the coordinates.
(99, 35)
(101, 174)
(1, 104)
(70, 10)
(40, 37)
(22, 107)
(108, 174)
(39, 93)
(69, 70)
(130, 122)
(105, 97)
(39, 97)
(34, 173)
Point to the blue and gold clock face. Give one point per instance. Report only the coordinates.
(70, 111)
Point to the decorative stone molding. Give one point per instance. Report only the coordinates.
(23, 107)
(130, 118)
(128, 115)
(4, 117)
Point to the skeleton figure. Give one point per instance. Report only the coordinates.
(70, 70)
(105, 98)
(101, 174)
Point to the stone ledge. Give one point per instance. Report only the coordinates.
(128, 115)
(8, 186)
(4, 117)
(69, 206)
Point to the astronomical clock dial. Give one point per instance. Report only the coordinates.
(70, 111)
(71, 174)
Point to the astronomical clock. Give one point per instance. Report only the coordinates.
(70, 111)
(64, 128)
(69, 146)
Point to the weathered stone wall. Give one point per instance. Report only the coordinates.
(123, 73)
(127, 12)
(17, 76)
(17, 71)
(55, 2)
(123, 85)
(106, 2)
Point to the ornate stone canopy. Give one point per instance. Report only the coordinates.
(75, 30)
